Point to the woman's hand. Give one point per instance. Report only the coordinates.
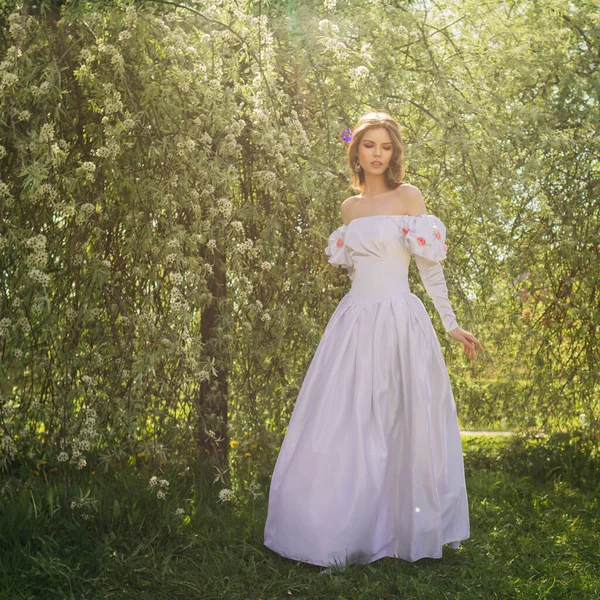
(469, 341)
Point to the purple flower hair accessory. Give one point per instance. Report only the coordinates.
(347, 135)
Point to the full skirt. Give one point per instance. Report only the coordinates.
(371, 464)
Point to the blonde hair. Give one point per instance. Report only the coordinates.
(395, 171)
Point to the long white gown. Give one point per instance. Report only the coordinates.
(371, 464)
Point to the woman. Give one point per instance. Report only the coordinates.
(371, 464)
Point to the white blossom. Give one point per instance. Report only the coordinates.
(22, 115)
(326, 25)
(203, 375)
(4, 190)
(8, 446)
(9, 79)
(238, 226)
(23, 323)
(4, 326)
(39, 277)
(361, 72)
(225, 495)
(46, 132)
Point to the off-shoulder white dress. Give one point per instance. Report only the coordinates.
(371, 464)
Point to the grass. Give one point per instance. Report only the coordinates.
(534, 534)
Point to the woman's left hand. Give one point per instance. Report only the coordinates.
(469, 341)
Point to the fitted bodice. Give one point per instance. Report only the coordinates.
(376, 250)
(380, 259)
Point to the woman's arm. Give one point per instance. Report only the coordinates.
(432, 276)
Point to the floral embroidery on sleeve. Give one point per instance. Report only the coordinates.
(336, 250)
(425, 235)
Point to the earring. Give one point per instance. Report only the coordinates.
(357, 166)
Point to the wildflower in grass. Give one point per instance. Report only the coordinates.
(161, 495)
(225, 495)
(153, 481)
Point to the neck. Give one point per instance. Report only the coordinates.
(374, 185)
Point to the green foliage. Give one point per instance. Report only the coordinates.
(572, 458)
(168, 179)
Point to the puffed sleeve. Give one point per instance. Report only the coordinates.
(425, 237)
(336, 250)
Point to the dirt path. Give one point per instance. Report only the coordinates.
(488, 433)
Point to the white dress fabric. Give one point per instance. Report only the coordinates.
(371, 464)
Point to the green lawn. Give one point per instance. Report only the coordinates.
(534, 534)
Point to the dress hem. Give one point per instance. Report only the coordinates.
(452, 543)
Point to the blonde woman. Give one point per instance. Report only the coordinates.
(371, 464)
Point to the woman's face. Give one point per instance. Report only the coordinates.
(375, 150)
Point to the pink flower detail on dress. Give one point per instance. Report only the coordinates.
(339, 242)
(438, 235)
(421, 240)
(445, 247)
(405, 230)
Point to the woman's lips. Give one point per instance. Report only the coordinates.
(376, 164)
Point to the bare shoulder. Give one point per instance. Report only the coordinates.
(409, 199)
(346, 209)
